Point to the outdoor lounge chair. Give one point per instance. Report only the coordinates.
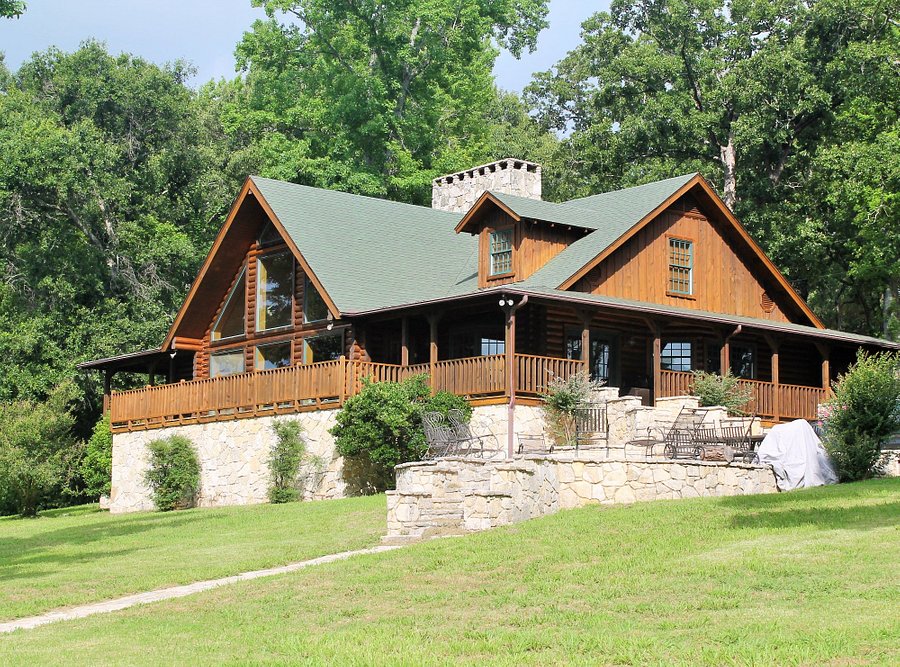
(466, 442)
(684, 439)
(534, 444)
(438, 436)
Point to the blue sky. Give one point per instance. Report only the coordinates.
(205, 33)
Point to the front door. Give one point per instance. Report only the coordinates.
(603, 361)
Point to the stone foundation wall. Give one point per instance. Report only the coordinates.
(233, 456)
(459, 495)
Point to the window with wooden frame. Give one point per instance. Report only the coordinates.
(226, 363)
(681, 267)
(231, 321)
(677, 355)
(314, 308)
(324, 347)
(275, 291)
(743, 360)
(273, 355)
(500, 245)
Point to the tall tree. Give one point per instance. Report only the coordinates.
(371, 97)
(108, 198)
(762, 97)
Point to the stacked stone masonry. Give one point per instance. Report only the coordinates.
(458, 192)
(461, 495)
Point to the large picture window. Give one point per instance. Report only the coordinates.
(681, 267)
(275, 294)
(226, 363)
(326, 347)
(314, 308)
(676, 356)
(501, 242)
(231, 320)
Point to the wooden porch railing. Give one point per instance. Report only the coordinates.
(313, 386)
(793, 401)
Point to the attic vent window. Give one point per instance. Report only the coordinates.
(681, 267)
(766, 302)
(501, 251)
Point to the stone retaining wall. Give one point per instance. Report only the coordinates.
(233, 461)
(459, 495)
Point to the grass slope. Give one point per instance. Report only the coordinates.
(79, 555)
(808, 577)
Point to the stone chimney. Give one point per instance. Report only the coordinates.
(457, 192)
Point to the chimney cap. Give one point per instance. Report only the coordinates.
(503, 164)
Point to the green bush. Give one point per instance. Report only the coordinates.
(863, 413)
(96, 466)
(285, 458)
(383, 423)
(37, 451)
(174, 474)
(720, 390)
(561, 399)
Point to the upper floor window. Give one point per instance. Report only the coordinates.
(681, 266)
(501, 242)
(275, 293)
(231, 320)
(314, 308)
(268, 236)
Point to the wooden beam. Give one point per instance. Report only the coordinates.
(773, 344)
(404, 341)
(825, 351)
(107, 389)
(433, 349)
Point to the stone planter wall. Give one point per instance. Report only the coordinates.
(460, 495)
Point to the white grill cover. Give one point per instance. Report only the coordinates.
(797, 457)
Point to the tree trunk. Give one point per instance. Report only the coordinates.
(728, 155)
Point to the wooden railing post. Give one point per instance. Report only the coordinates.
(344, 375)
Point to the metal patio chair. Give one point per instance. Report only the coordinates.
(438, 436)
(591, 427)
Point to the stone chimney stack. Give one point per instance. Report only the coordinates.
(458, 192)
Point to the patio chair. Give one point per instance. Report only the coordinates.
(438, 436)
(467, 443)
(685, 438)
(738, 437)
(591, 427)
(534, 444)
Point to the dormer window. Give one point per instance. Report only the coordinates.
(231, 320)
(500, 243)
(681, 267)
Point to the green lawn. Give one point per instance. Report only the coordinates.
(805, 578)
(79, 555)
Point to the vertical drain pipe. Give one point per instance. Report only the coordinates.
(511, 309)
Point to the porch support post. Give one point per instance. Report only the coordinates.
(151, 374)
(656, 358)
(585, 317)
(725, 358)
(404, 341)
(510, 351)
(433, 349)
(107, 389)
(825, 351)
(171, 374)
(776, 383)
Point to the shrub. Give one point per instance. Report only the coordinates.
(723, 390)
(96, 466)
(174, 474)
(36, 447)
(285, 459)
(383, 423)
(863, 413)
(561, 399)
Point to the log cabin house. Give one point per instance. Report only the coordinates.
(491, 291)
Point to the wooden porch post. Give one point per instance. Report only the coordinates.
(151, 374)
(656, 358)
(510, 351)
(585, 338)
(825, 351)
(404, 341)
(776, 388)
(433, 349)
(724, 357)
(107, 389)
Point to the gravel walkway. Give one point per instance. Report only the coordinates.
(82, 611)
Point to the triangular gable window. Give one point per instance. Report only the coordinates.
(268, 236)
(231, 320)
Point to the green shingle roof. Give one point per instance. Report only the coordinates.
(617, 212)
(372, 253)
